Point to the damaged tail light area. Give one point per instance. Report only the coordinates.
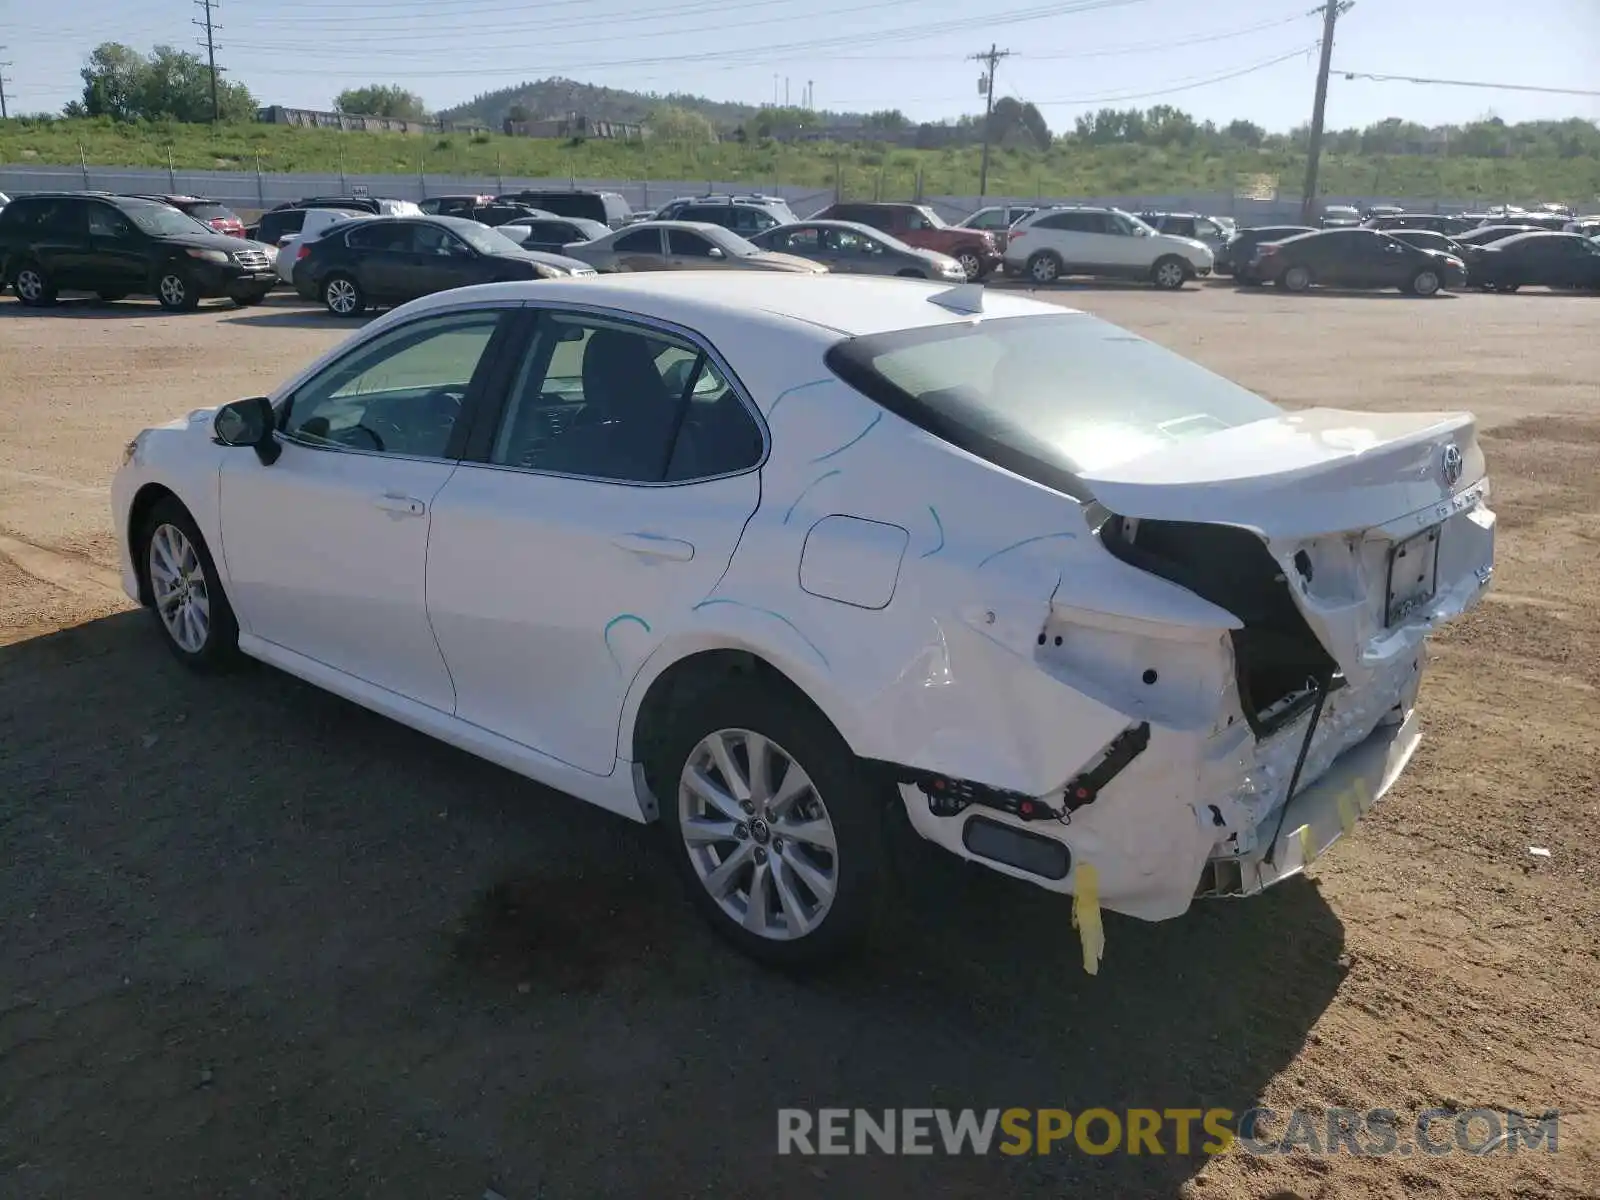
(1277, 659)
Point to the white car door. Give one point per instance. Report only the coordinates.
(326, 548)
(1124, 244)
(603, 505)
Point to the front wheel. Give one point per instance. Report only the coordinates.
(971, 265)
(1044, 268)
(1295, 279)
(196, 620)
(1169, 274)
(771, 822)
(176, 291)
(33, 286)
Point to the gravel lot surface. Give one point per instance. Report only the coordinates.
(260, 943)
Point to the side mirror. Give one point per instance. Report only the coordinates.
(715, 252)
(248, 423)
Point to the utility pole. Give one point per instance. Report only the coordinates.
(4, 113)
(991, 60)
(1330, 15)
(211, 51)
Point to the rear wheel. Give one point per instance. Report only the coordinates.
(1169, 274)
(176, 291)
(1424, 283)
(1295, 279)
(1044, 267)
(343, 296)
(33, 286)
(771, 822)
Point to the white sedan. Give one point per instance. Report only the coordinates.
(753, 555)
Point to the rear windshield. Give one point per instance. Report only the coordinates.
(210, 212)
(1048, 397)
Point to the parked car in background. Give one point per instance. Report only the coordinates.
(1539, 259)
(1213, 231)
(208, 212)
(847, 248)
(485, 211)
(1586, 226)
(1487, 235)
(918, 225)
(683, 246)
(1340, 216)
(1014, 571)
(1235, 255)
(288, 217)
(1427, 239)
(744, 214)
(118, 246)
(608, 208)
(454, 206)
(1437, 222)
(1356, 258)
(4, 199)
(389, 260)
(317, 222)
(997, 219)
(551, 234)
(1104, 243)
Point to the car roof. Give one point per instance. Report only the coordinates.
(849, 305)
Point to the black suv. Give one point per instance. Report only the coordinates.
(118, 246)
(609, 208)
(745, 215)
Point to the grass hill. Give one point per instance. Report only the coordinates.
(1069, 168)
(558, 97)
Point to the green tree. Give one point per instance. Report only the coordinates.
(382, 100)
(169, 85)
(680, 126)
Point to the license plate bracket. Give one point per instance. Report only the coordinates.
(1413, 574)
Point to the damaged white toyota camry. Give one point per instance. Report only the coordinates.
(754, 557)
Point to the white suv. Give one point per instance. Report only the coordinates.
(1106, 242)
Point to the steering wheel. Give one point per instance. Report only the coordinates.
(377, 442)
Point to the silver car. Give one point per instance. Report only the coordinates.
(850, 248)
(682, 246)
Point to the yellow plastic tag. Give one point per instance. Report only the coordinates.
(1086, 916)
(1349, 812)
(1308, 854)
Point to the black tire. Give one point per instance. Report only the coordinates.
(33, 285)
(1045, 267)
(1169, 273)
(342, 295)
(220, 649)
(1295, 279)
(1425, 283)
(971, 263)
(175, 289)
(110, 297)
(849, 799)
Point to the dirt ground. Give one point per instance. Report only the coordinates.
(260, 943)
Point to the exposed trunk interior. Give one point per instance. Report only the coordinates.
(1277, 657)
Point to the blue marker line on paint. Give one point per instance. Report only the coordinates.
(612, 624)
(805, 491)
(871, 425)
(799, 387)
(768, 612)
(1043, 537)
(940, 525)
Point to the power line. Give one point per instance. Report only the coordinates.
(211, 54)
(1469, 83)
(991, 61)
(1180, 87)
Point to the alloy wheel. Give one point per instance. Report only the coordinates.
(758, 834)
(1169, 275)
(173, 290)
(182, 594)
(1043, 269)
(30, 286)
(341, 296)
(970, 264)
(1425, 284)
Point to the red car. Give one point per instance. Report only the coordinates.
(918, 225)
(208, 212)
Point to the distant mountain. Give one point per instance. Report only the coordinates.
(559, 97)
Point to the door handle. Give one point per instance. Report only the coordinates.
(651, 545)
(405, 506)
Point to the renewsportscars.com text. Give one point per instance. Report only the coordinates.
(1099, 1131)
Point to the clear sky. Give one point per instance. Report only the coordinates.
(1069, 56)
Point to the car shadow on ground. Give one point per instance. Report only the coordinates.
(89, 308)
(1345, 293)
(285, 310)
(262, 933)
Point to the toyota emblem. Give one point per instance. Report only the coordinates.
(1450, 465)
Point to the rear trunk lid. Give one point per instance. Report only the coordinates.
(1376, 522)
